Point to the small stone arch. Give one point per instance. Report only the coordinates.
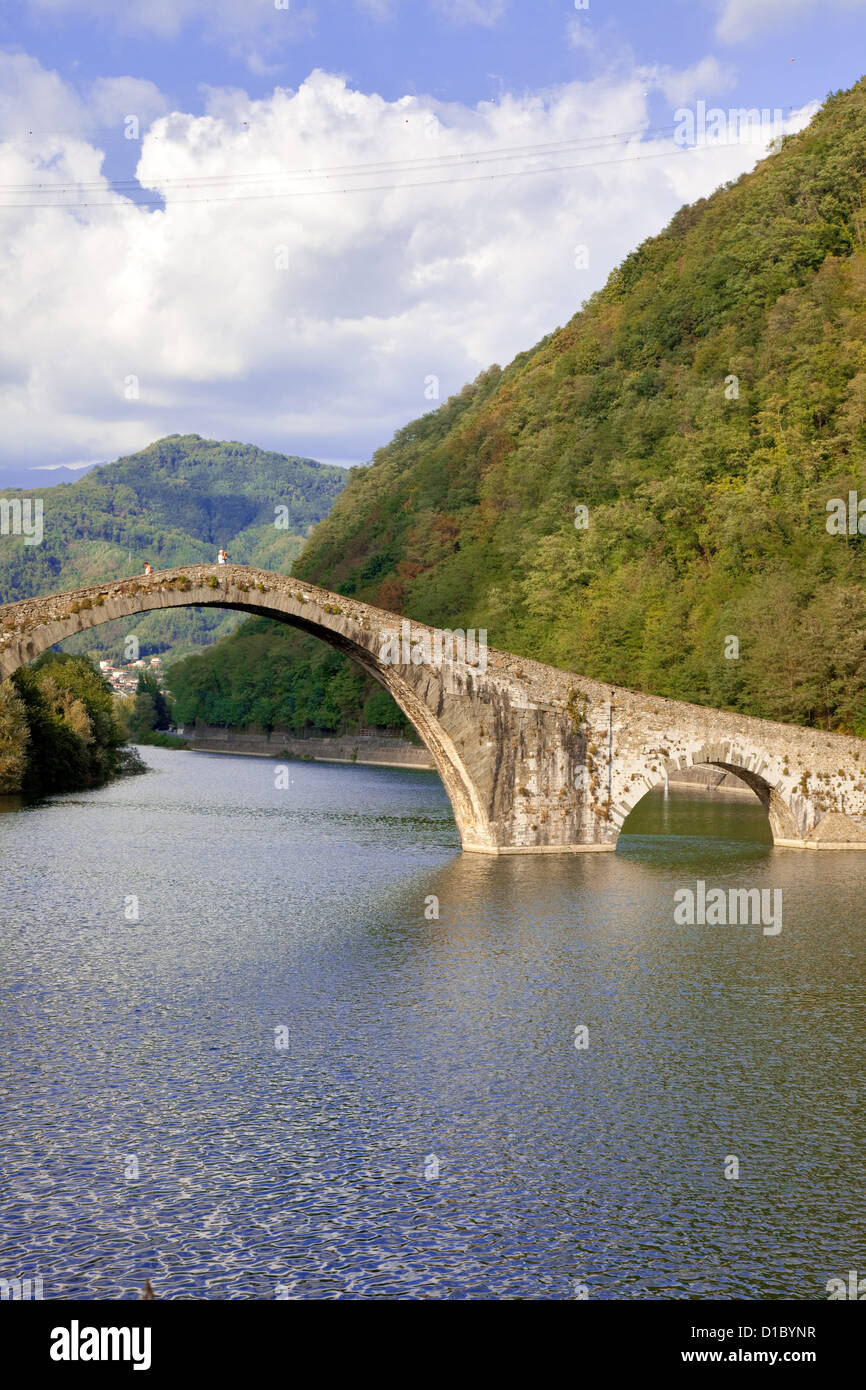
(790, 814)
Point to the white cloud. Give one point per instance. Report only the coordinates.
(580, 35)
(254, 30)
(486, 12)
(32, 99)
(164, 18)
(52, 467)
(221, 18)
(35, 103)
(383, 287)
(112, 99)
(740, 19)
(708, 77)
(377, 9)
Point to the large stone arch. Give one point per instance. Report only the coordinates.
(31, 627)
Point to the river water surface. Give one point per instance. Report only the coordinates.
(238, 1048)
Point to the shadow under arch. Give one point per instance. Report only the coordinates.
(753, 770)
(31, 627)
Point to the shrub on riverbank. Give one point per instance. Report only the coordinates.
(14, 739)
(130, 763)
(155, 739)
(58, 730)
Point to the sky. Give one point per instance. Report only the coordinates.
(303, 223)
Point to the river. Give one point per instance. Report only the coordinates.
(243, 1059)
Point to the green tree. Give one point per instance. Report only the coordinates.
(74, 739)
(14, 739)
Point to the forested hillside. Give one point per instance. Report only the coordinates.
(269, 675)
(177, 502)
(704, 407)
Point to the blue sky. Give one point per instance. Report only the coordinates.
(381, 291)
(417, 47)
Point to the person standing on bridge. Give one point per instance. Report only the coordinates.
(148, 568)
(222, 558)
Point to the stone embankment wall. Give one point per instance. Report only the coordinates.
(377, 751)
(709, 779)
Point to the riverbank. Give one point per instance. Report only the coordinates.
(373, 750)
(709, 779)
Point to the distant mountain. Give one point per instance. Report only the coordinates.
(177, 502)
(643, 496)
(29, 479)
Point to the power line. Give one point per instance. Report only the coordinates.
(396, 166)
(431, 162)
(114, 127)
(368, 188)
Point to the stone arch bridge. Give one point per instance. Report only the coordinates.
(533, 759)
